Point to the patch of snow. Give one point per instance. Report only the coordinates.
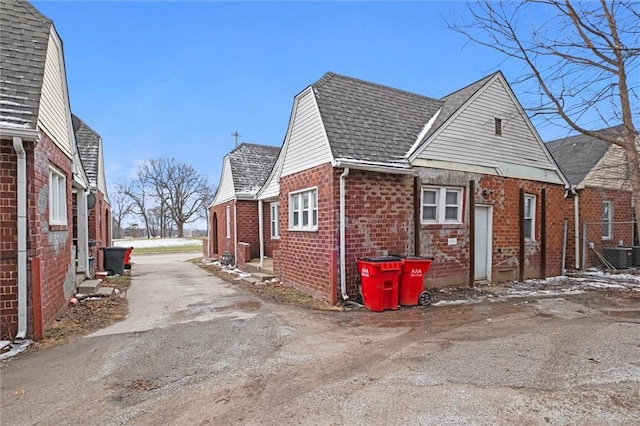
(12, 124)
(158, 242)
(16, 348)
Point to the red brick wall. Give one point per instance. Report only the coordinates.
(380, 220)
(99, 231)
(303, 258)
(8, 241)
(590, 212)
(248, 231)
(52, 244)
(225, 244)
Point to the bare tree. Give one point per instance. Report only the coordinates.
(179, 188)
(121, 207)
(582, 61)
(139, 193)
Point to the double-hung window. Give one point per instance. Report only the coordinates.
(57, 197)
(607, 225)
(529, 217)
(441, 205)
(275, 226)
(303, 210)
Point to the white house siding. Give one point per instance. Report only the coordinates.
(271, 188)
(307, 145)
(226, 189)
(54, 109)
(470, 138)
(610, 172)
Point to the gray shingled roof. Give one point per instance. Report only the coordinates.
(369, 122)
(251, 165)
(89, 149)
(24, 36)
(578, 155)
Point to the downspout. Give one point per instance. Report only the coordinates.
(343, 268)
(261, 232)
(235, 231)
(22, 237)
(576, 212)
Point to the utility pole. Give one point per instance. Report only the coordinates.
(236, 135)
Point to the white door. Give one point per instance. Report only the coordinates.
(482, 249)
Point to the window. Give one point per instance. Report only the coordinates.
(303, 210)
(529, 217)
(441, 205)
(228, 221)
(275, 226)
(498, 126)
(57, 197)
(607, 225)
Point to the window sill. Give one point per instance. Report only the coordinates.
(275, 238)
(302, 230)
(442, 225)
(58, 227)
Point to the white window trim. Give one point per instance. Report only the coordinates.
(532, 203)
(610, 221)
(228, 214)
(312, 226)
(275, 224)
(57, 197)
(441, 204)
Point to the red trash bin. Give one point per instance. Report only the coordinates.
(379, 277)
(411, 289)
(127, 258)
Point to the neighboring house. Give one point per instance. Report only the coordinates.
(599, 175)
(233, 228)
(91, 154)
(367, 170)
(43, 248)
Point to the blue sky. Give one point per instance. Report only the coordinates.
(176, 79)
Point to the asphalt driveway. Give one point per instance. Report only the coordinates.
(198, 350)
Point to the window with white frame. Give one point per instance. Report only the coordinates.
(57, 197)
(228, 221)
(529, 217)
(607, 223)
(303, 210)
(275, 226)
(441, 205)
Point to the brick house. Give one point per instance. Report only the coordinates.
(366, 170)
(233, 213)
(44, 247)
(601, 212)
(92, 157)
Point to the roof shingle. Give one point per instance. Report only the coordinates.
(251, 165)
(24, 37)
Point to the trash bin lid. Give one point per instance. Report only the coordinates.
(381, 259)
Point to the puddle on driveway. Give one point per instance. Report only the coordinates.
(244, 306)
(622, 313)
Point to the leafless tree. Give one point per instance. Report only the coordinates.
(178, 188)
(121, 207)
(138, 191)
(581, 59)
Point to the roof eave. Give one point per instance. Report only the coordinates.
(403, 168)
(27, 134)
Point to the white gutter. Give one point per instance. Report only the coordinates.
(576, 225)
(22, 237)
(343, 269)
(261, 232)
(394, 168)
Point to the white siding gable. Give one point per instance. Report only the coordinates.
(271, 188)
(611, 172)
(226, 189)
(306, 144)
(468, 140)
(54, 114)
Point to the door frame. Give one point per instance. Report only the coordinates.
(489, 239)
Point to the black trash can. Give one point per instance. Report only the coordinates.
(114, 259)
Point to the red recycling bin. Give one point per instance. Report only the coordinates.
(127, 258)
(411, 289)
(379, 277)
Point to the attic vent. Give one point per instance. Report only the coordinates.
(498, 125)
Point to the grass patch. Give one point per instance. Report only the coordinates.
(168, 249)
